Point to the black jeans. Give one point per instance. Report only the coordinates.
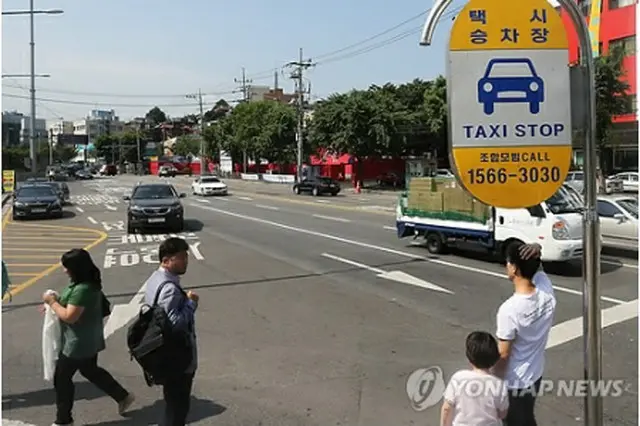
(177, 398)
(63, 384)
(521, 406)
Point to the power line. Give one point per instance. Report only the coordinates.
(69, 102)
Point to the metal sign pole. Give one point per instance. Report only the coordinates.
(593, 411)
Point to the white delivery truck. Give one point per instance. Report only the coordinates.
(555, 224)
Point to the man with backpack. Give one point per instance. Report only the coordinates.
(163, 290)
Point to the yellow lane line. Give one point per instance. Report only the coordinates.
(6, 218)
(23, 274)
(48, 238)
(27, 265)
(32, 243)
(57, 250)
(44, 233)
(23, 286)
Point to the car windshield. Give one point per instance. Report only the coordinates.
(325, 179)
(153, 191)
(510, 69)
(630, 205)
(39, 191)
(210, 180)
(566, 200)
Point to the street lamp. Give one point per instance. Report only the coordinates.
(32, 125)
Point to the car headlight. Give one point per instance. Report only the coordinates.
(560, 230)
(533, 86)
(176, 207)
(488, 87)
(55, 204)
(135, 208)
(18, 204)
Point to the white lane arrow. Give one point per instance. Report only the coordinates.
(122, 314)
(398, 276)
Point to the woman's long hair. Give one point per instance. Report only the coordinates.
(81, 267)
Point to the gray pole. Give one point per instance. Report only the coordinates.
(300, 118)
(51, 147)
(203, 162)
(32, 119)
(592, 326)
(591, 316)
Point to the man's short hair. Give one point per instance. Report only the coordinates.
(482, 350)
(526, 268)
(171, 247)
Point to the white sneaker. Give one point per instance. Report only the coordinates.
(124, 405)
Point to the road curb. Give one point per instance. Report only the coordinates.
(5, 198)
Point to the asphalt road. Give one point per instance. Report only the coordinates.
(312, 313)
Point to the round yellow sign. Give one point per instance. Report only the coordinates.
(509, 101)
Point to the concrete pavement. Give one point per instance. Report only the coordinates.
(310, 314)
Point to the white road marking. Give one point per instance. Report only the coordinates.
(201, 200)
(7, 422)
(92, 220)
(618, 263)
(398, 276)
(262, 206)
(245, 198)
(335, 219)
(79, 209)
(323, 201)
(110, 207)
(572, 329)
(385, 249)
(390, 228)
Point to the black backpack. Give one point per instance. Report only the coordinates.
(154, 344)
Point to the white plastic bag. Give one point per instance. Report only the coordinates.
(51, 341)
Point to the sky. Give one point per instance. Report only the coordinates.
(132, 55)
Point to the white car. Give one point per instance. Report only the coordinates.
(619, 221)
(208, 185)
(629, 181)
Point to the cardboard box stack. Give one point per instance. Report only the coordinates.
(443, 199)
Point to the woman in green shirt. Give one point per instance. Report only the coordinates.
(80, 311)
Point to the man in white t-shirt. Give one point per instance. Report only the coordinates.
(523, 324)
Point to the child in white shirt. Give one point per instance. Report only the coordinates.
(475, 396)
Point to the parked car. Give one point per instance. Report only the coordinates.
(83, 174)
(167, 171)
(575, 179)
(390, 179)
(629, 181)
(208, 185)
(317, 186)
(619, 220)
(108, 170)
(154, 205)
(36, 200)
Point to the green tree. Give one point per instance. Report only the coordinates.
(264, 129)
(187, 145)
(361, 123)
(156, 116)
(435, 108)
(611, 98)
(219, 110)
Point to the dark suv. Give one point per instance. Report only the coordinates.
(317, 186)
(155, 205)
(36, 200)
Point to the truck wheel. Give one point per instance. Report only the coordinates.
(435, 245)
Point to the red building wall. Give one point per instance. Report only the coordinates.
(614, 24)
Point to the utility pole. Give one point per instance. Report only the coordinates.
(301, 65)
(245, 98)
(203, 162)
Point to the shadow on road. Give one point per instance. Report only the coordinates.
(84, 391)
(200, 409)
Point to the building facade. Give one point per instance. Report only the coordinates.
(614, 22)
(11, 128)
(98, 123)
(58, 128)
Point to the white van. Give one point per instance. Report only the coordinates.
(555, 224)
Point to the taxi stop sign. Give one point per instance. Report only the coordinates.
(509, 101)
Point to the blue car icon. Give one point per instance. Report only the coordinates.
(510, 80)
